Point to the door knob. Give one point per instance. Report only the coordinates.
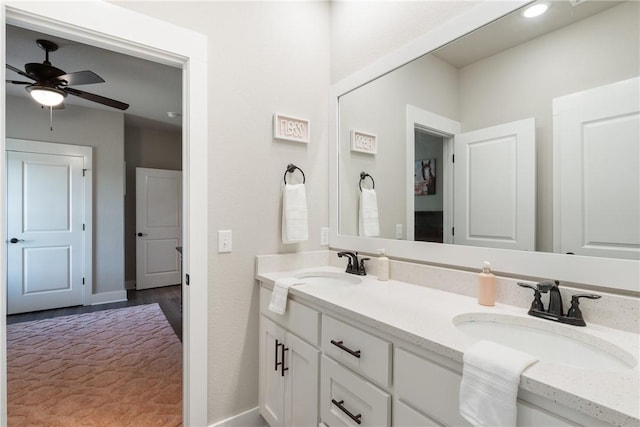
(142, 234)
(14, 240)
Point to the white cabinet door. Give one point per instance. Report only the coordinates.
(288, 377)
(494, 186)
(596, 176)
(272, 385)
(301, 386)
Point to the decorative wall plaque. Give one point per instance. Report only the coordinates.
(291, 128)
(364, 142)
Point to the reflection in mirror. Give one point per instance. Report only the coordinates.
(481, 142)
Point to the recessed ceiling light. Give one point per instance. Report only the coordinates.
(535, 10)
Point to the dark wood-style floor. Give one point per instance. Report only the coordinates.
(168, 297)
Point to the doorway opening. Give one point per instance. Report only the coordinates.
(429, 200)
(101, 25)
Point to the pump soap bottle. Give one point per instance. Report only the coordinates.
(486, 286)
(383, 266)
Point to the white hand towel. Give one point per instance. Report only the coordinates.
(368, 225)
(294, 214)
(278, 303)
(490, 379)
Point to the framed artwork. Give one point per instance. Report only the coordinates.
(425, 177)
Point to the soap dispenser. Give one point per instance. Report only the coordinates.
(486, 286)
(383, 265)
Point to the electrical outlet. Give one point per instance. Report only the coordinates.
(324, 236)
(399, 233)
(224, 241)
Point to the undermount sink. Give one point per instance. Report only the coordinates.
(329, 278)
(547, 341)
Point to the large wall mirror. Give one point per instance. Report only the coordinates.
(518, 141)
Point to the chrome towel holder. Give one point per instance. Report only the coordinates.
(291, 168)
(363, 175)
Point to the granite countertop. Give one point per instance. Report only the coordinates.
(425, 317)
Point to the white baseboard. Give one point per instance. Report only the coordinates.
(250, 418)
(107, 297)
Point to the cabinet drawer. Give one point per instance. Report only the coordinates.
(374, 353)
(299, 319)
(405, 416)
(341, 388)
(435, 390)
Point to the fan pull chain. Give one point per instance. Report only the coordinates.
(51, 119)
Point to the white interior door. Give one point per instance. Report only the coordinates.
(596, 176)
(494, 180)
(45, 218)
(158, 227)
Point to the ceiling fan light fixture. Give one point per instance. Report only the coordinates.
(47, 96)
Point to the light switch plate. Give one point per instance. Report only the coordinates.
(225, 242)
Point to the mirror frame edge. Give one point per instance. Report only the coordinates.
(616, 274)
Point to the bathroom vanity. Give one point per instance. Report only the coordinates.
(390, 354)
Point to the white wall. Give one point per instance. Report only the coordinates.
(380, 108)
(264, 57)
(103, 130)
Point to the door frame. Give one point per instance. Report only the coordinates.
(118, 29)
(42, 147)
(447, 129)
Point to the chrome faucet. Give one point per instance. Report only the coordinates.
(354, 266)
(554, 311)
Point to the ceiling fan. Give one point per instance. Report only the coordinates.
(51, 85)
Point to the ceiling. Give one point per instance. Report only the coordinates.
(151, 89)
(490, 39)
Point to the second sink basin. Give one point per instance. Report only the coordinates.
(329, 278)
(549, 343)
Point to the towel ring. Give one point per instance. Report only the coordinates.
(363, 175)
(291, 168)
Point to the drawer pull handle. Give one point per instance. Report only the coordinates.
(354, 353)
(355, 418)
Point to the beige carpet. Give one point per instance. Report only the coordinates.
(107, 368)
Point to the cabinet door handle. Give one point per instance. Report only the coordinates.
(354, 353)
(282, 368)
(355, 418)
(276, 355)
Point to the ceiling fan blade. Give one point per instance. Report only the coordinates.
(96, 98)
(19, 71)
(17, 82)
(80, 78)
